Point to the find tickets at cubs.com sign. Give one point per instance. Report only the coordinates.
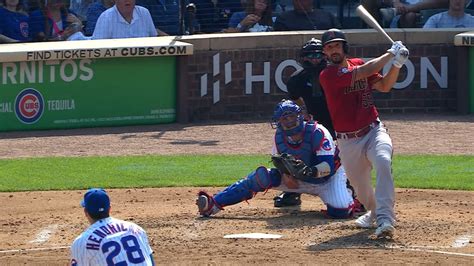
(87, 93)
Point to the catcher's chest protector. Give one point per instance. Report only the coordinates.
(304, 151)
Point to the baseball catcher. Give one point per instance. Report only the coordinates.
(305, 162)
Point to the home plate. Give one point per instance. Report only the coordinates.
(252, 235)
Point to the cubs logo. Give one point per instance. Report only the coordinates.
(326, 145)
(29, 106)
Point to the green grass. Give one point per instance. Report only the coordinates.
(440, 172)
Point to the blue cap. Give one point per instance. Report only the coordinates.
(96, 201)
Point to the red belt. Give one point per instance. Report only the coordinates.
(359, 133)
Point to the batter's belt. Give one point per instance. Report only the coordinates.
(358, 133)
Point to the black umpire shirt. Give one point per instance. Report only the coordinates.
(305, 84)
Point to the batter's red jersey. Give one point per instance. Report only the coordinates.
(350, 101)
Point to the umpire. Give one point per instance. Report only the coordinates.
(304, 89)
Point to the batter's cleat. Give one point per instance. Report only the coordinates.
(206, 204)
(287, 199)
(385, 230)
(365, 221)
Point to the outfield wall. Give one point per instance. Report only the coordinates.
(205, 77)
(240, 76)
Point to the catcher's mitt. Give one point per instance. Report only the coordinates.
(288, 164)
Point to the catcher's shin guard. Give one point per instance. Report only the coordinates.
(207, 206)
(259, 180)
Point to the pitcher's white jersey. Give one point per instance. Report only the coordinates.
(111, 241)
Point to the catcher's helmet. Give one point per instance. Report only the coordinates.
(312, 49)
(335, 35)
(312, 46)
(288, 117)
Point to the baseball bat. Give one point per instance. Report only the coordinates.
(370, 20)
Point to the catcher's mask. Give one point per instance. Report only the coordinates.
(311, 53)
(287, 116)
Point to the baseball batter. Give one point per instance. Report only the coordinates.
(362, 139)
(309, 142)
(109, 241)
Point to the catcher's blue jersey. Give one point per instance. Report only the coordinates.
(316, 142)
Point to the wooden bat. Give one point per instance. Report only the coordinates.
(367, 17)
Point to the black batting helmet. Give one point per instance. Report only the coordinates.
(335, 35)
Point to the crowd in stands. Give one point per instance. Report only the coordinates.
(54, 20)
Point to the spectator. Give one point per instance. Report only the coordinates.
(124, 20)
(305, 17)
(80, 7)
(165, 15)
(225, 9)
(385, 10)
(93, 13)
(51, 21)
(206, 15)
(257, 17)
(373, 6)
(13, 22)
(455, 17)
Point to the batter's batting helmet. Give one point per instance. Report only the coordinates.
(284, 109)
(335, 35)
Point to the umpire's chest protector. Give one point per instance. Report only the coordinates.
(303, 151)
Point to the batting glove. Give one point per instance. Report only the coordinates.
(401, 57)
(395, 47)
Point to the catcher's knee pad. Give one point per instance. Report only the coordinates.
(260, 180)
(339, 213)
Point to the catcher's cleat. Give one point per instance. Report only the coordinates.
(358, 207)
(287, 199)
(385, 230)
(365, 221)
(206, 204)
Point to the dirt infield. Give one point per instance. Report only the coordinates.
(434, 227)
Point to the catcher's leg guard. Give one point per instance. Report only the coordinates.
(257, 181)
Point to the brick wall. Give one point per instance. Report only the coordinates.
(233, 102)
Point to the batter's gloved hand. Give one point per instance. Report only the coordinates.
(395, 47)
(401, 57)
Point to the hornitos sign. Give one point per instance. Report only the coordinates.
(47, 91)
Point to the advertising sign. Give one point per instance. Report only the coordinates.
(88, 92)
